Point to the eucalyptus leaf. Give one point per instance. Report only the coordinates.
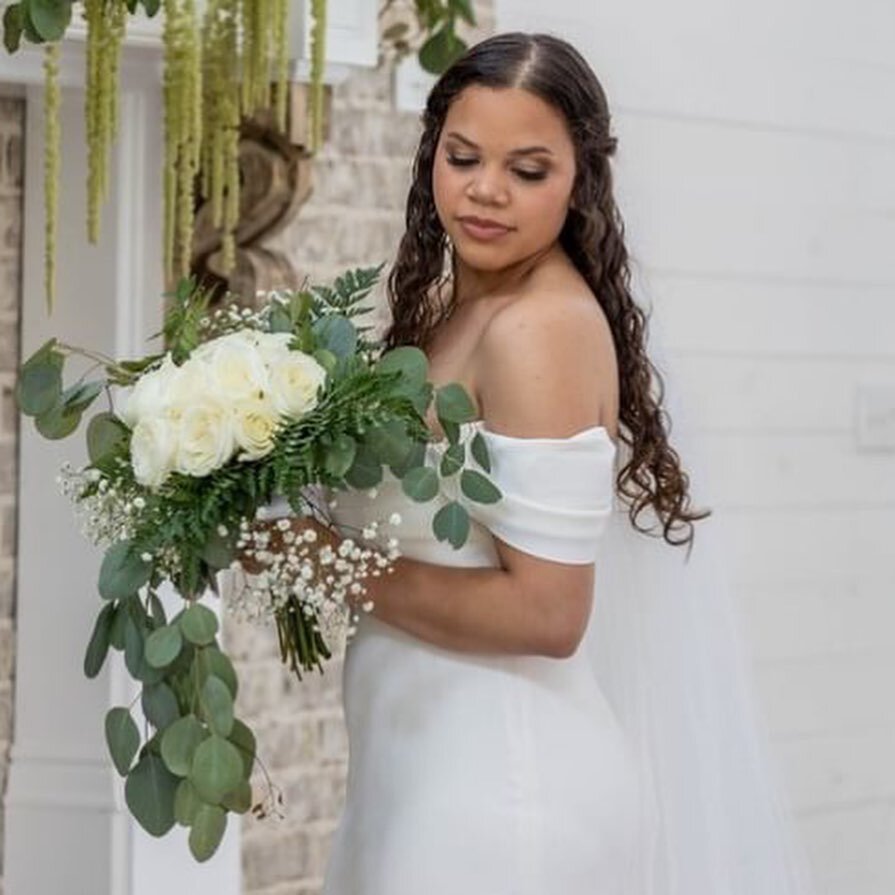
(409, 360)
(335, 333)
(50, 17)
(186, 803)
(451, 523)
(122, 738)
(160, 705)
(366, 470)
(440, 50)
(420, 484)
(389, 441)
(479, 449)
(199, 624)
(149, 793)
(216, 769)
(340, 455)
(240, 799)
(39, 387)
(452, 403)
(163, 646)
(57, 422)
(214, 662)
(13, 23)
(207, 831)
(179, 744)
(415, 457)
(105, 434)
(242, 737)
(452, 460)
(134, 642)
(123, 572)
(478, 488)
(78, 397)
(98, 647)
(217, 706)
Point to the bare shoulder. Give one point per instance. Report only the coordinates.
(546, 366)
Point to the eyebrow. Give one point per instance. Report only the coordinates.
(528, 150)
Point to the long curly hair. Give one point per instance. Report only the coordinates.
(592, 236)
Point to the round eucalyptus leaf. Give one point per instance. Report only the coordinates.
(340, 455)
(409, 360)
(179, 744)
(476, 487)
(335, 333)
(453, 459)
(122, 738)
(133, 646)
(12, 26)
(216, 768)
(186, 803)
(452, 403)
(199, 624)
(389, 442)
(98, 647)
(240, 799)
(207, 831)
(78, 397)
(163, 646)
(105, 432)
(366, 471)
(213, 661)
(160, 705)
(451, 523)
(122, 572)
(415, 457)
(39, 387)
(217, 706)
(149, 793)
(50, 17)
(57, 422)
(420, 484)
(242, 737)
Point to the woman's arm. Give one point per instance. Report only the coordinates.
(539, 375)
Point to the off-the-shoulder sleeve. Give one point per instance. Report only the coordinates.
(557, 493)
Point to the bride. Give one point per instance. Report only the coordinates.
(560, 705)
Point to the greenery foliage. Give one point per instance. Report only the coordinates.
(192, 761)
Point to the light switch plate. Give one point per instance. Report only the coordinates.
(875, 418)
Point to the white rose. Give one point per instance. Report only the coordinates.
(149, 394)
(273, 347)
(294, 381)
(255, 424)
(236, 370)
(153, 444)
(205, 436)
(189, 384)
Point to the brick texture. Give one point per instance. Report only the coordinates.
(354, 217)
(12, 120)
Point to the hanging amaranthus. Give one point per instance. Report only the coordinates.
(220, 109)
(183, 132)
(106, 22)
(318, 58)
(52, 139)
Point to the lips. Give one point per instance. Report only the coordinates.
(483, 223)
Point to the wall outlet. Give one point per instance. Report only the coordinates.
(875, 418)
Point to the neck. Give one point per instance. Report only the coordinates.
(473, 284)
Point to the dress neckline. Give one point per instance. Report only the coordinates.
(602, 431)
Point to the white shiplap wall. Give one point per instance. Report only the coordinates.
(756, 175)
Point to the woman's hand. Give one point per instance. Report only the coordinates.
(276, 543)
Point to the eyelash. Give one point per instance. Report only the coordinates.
(525, 175)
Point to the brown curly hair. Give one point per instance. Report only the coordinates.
(592, 237)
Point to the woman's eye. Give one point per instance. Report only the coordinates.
(531, 175)
(460, 162)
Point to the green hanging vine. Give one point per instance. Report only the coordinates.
(227, 64)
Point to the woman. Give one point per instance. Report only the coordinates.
(486, 757)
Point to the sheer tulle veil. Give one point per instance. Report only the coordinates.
(669, 649)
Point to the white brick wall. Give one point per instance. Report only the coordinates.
(756, 173)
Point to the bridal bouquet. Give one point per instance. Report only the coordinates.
(243, 407)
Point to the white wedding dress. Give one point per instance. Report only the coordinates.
(474, 774)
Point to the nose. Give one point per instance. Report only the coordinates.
(487, 185)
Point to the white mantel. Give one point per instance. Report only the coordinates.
(67, 830)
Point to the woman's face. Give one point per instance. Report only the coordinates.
(504, 155)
